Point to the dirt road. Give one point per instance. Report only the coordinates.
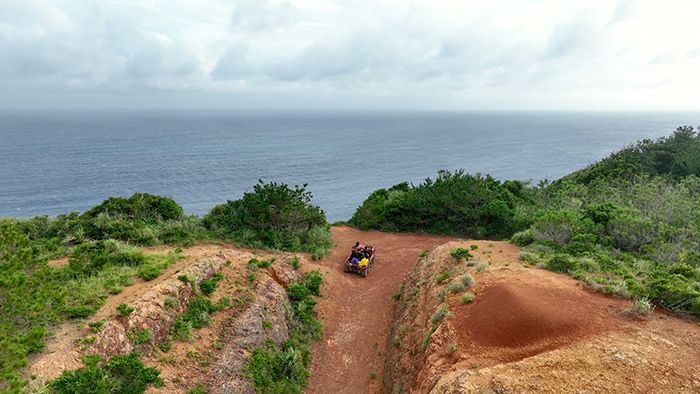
(357, 311)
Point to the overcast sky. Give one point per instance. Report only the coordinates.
(351, 54)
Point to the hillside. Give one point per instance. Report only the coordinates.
(526, 329)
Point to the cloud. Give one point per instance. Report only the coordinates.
(262, 15)
(234, 64)
(423, 53)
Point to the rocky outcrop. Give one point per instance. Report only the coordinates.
(264, 320)
(154, 311)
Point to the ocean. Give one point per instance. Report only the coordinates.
(54, 162)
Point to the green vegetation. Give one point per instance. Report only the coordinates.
(103, 246)
(455, 203)
(273, 216)
(124, 309)
(208, 286)
(285, 369)
(461, 254)
(627, 225)
(122, 374)
(466, 298)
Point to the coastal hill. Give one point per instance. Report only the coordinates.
(526, 329)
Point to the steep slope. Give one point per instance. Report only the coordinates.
(528, 330)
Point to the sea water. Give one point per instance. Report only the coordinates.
(54, 162)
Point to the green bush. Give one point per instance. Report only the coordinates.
(461, 254)
(142, 207)
(456, 287)
(312, 281)
(522, 238)
(148, 272)
(562, 263)
(297, 292)
(124, 309)
(273, 216)
(209, 285)
(122, 374)
(466, 280)
(455, 203)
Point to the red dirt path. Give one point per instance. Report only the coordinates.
(357, 312)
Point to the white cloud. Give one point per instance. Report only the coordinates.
(435, 54)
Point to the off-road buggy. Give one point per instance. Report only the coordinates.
(362, 262)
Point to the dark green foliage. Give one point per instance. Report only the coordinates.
(122, 374)
(124, 309)
(684, 270)
(78, 312)
(273, 216)
(674, 157)
(139, 207)
(561, 263)
(458, 203)
(148, 272)
(312, 281)
(209, 285)
(285, 370)
(199, 390)
(461, 254)
(297, 292)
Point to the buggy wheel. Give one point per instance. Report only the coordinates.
(364, 273)
(346, 268)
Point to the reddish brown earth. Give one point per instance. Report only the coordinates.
(357, 312)
(527, 330)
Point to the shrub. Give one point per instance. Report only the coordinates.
(96, 326)
(139, 336)
(78, 312)
(423, 253)
(640, 306)
(684, 270)
(273, 216)
(456, 287)
(297, 292)
(208, 286)
(454, 203)
(466, 298)
(522, 238)
(124, 309)
(122, 374)
(148, 272)
(139, 207)
(466, 280)
(443, 276)
(437, 317)
(295, 262)
(461, 254)
(562, 263)
(312, 281)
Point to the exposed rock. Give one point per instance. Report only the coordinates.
(284, 274)
(151, 313)
(264, 319)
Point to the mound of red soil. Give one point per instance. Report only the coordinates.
(518, 314)
(513, 320)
